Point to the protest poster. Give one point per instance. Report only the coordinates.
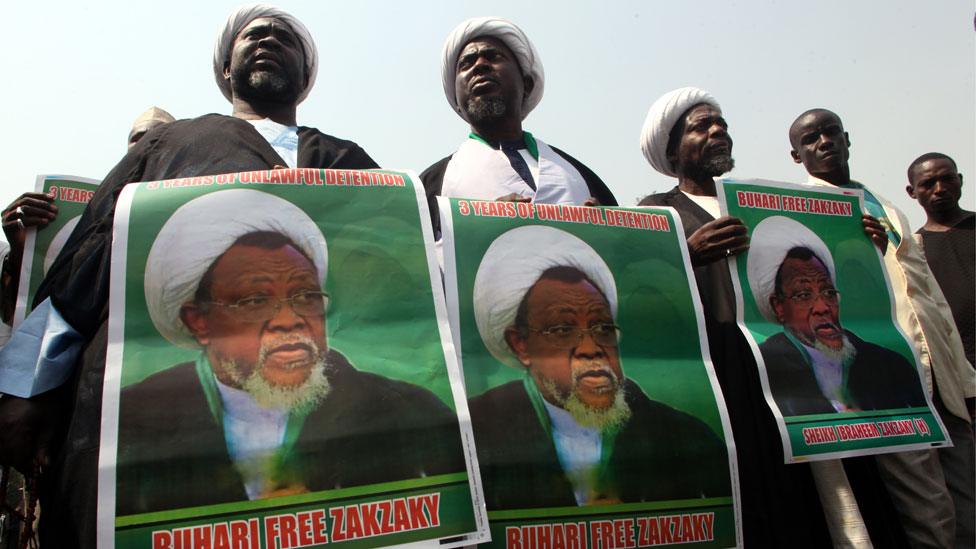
(597, 416)
(41, 247)
(279, 369)
(814, 302)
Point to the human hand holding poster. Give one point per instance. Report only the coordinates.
(279, 370)
(814, 302)
(592, 396)
(41, 247)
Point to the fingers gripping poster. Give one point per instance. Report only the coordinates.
(70, 195)
(815, 304)
(597, 417)
(279, 369)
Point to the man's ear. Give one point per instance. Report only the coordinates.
(528, 84)
(196, 321)
(910, 189)
(777, 304)
(227, 70)
(848, 139)
(796, 156)
(518, 345)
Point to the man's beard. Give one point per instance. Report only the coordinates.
(717, 165)
(601, 419)
(300, 398)
(485, 109)
(844, 355)
(264, 85)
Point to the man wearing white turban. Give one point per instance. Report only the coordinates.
(574, 430)
(686, 136)
(267, 409)
(819, 142)
(815, 366)
(493, 78)
(267, 61)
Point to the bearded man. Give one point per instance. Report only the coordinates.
(265, 63)
(493, 78)
(267, 408)
(574, 430)
(815, 366)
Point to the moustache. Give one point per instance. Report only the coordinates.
(593, 367)
(288, 342)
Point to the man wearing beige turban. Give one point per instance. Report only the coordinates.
(493, 78)
(152, 118)
(265, 63)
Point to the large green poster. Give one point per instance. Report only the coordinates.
(597, 416)
(815, 304)
(279, 371)
(41, 247)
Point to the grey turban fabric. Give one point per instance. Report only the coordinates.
(771, 240)
(513, 264)
(661, 118)
(200, 231)
(240, 19)
(510, 35)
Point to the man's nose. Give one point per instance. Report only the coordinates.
(285, 318)
(826, 142)
(939, 188)
(820, 304)
(587, 347)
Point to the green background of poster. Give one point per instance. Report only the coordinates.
(659, 345)
(381, 312)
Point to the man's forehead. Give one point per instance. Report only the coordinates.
(702, 110)
(484, 43)
(553, 295)
(819, 120)
(936, 166)
(261, 22)
(795, 269)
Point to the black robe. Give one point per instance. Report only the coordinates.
(877, 379)
(660, 454)
(172, 452)
(78, 285)
(780, 503)
(433, 179)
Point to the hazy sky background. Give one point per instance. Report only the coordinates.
(899, 73)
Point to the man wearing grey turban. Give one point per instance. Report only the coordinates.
(815, 366)
(265, 64)
(493, 78)
(250, 296)
(574, 430)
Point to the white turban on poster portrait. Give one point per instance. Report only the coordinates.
(200, 231)
(513, 264)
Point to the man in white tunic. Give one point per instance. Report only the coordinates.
(493, 78)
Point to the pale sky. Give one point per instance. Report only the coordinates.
(899, 73)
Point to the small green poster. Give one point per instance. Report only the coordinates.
(41, 247)
(815, 304)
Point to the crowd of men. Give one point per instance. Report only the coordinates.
(265, 64)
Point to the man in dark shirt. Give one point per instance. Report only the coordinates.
(949, 241)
